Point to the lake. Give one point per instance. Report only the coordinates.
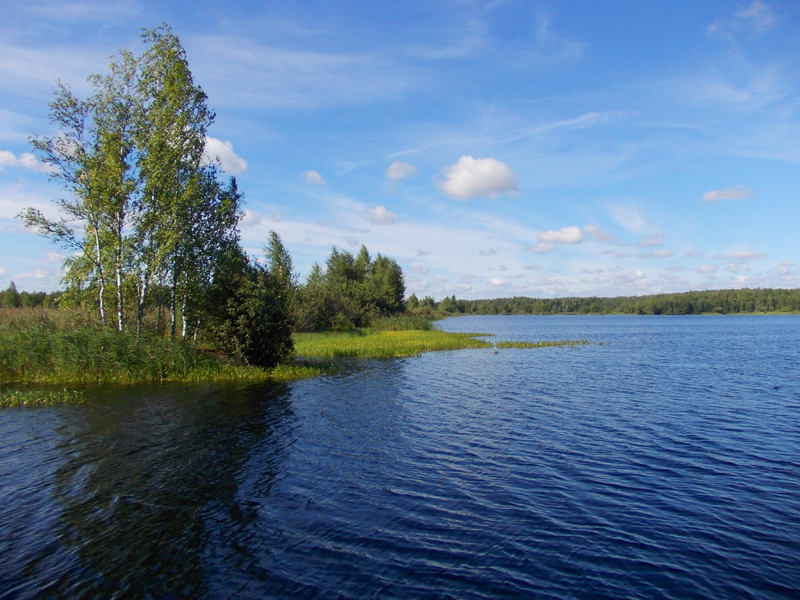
(661, 461)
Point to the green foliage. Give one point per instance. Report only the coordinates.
(688, 303)
(353, 291)
(16, 398)
(248, 310)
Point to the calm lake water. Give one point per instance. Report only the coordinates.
(664, 463)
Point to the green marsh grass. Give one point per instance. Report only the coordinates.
(52, 346)
(382, 344)
(17, 398)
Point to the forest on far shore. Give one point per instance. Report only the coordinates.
(723, 302)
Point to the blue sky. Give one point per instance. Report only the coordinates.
(493, 148)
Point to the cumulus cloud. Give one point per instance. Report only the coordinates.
(313, 177)
(740, 255)
(547, 240)
(565, 235)
(26, 160)
(380, 216)
(478, 178)
(533, 267)
(489, 252)
(228, 159)
(740, 192)
(400, 170)
(496, 282)
(591, 271)
(629, 277)
(693, 253)
(655, 254)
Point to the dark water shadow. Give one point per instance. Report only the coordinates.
(148, 473)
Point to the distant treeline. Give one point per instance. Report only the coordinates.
(689, 303)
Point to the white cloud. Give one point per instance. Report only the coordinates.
(2, 271)
(692, 253)
(706, 269)
(380, 216)
(740, 255)
(241, 72)
(565, 235)
(56, 257)
(478, 178)
(598, 234)
(543, 247)
(313, 177)
(729, 193)
(663, 253)
(623, 277)
(533, 267)
(629, 217)
(35, 274)
(228, 159)
(400, 170)
(418, 268)
(496, 282)
(755, 20)
(737, 267)
(25, 160)
(652, 240)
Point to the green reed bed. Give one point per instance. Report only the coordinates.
(382, 344)
(71, 347)
(17, 398)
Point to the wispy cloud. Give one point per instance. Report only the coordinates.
(755, 20)
(400, 170)
(245, 73)
(729, 193)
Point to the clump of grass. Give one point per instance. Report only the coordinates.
(542, 344)
(16, 398)
(382, 344)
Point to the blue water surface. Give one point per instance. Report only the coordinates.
(660, 461)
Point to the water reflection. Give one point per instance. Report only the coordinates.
(150, 477)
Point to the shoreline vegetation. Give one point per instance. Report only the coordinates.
(158, 287)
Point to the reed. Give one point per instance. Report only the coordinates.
(71, 347)
(17, 398)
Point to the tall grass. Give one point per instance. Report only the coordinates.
(52, 346)
(381, 344)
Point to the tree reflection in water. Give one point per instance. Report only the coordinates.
(151, 475)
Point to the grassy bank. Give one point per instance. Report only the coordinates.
(382, 344)
(51, 346)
